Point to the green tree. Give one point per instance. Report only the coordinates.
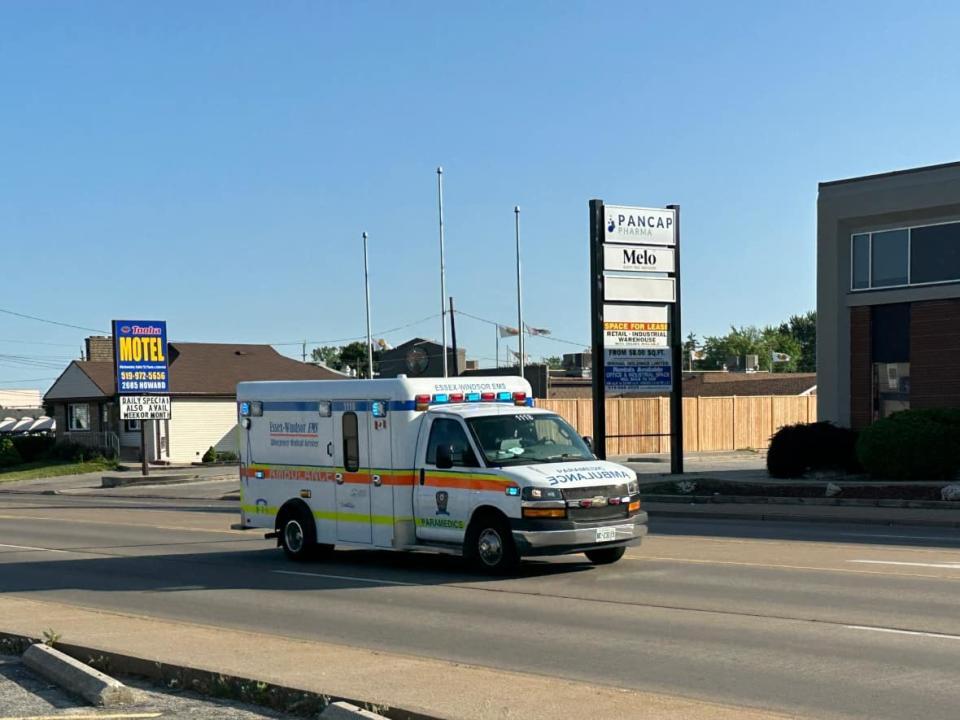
(354, 356)
(328, 355)
(689, 345)
(554, 362)
(751, 340)
(803, 329)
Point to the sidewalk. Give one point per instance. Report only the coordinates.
(211, 483)
(433, 687)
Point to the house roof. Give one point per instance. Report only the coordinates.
(214, 369)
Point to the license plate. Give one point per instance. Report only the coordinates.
(606, 534)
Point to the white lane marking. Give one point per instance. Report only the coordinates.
(372, 581)
(946, 566)
(89, 716)
(903, 632)
(30, 547)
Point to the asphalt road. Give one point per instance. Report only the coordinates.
(823, 621)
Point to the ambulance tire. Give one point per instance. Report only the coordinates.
(298, 532)
(488, 545)
(605, 556)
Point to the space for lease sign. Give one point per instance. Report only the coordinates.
(144, 407)
(636, 326)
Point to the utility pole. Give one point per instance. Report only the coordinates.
(304, 353)
(516, 219)
(366, 283)
(443, 271)
(453, 340)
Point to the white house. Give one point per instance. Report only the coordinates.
(203, 391)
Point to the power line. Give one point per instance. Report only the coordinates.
(545, 337)
(38, 342)
(51, 322)
(26, 380)
(359, 337)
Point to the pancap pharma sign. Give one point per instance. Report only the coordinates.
(640, 226)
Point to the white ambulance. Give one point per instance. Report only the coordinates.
(463, 465)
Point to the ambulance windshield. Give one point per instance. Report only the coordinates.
(527, 439)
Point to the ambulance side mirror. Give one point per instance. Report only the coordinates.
(589, 441)
(444, 457)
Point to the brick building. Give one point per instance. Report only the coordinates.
(888, 294)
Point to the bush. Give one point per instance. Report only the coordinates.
(797, 449)
(8, 453)
(210, 455)
(227, 457)
(913, 445)
(74, 452)
(33, 447)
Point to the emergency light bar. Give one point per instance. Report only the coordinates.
(423, 402)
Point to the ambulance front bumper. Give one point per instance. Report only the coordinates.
(559, 537)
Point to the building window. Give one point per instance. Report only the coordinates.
(351, 442)
(78, 417)
(131, 426)
(891, 388)
(920, 255)
(861, 261)
(889, 258)
(935, 253)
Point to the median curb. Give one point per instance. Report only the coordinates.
(113, 481)
(346, 711)
(73, 676)
(713, 514)
(169, 676)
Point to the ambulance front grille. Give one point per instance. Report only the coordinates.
(585, 493)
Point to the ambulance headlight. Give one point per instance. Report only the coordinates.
(633, 488)
(538, 493)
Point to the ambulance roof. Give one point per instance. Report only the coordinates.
(399, 388)
(472, 410)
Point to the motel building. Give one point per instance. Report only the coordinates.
(888, 294)
(203, 399)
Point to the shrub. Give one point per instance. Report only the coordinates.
(210, 455)
(74, 452)
(33, 447)
(913, 445)
(797, 449)
(227, 457)
(8, 453)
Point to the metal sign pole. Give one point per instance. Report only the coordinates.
(443, 279)
(676, 347)
(516, 217)
(596, 325)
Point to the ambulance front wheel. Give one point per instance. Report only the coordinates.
(489, 546)
(605, 556)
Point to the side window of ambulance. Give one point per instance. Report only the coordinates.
(450, 432)
(351, 442)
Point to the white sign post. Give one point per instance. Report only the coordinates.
(144, 407)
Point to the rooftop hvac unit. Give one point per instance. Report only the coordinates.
(752, 364)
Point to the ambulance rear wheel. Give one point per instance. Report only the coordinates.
(605, 556)
(489, 545)
(298, 534)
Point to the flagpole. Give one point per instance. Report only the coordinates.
(366, 283)
(516, 215)
(443, 282)
(497, 328)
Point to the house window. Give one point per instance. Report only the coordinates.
(131, 426)
(104, 415)
(78, 417)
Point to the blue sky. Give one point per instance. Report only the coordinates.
(213, 164)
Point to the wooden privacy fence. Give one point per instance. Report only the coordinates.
(709, 423)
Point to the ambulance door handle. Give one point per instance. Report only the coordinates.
(330, 449)
(377, 481)
(423, 476)
(339, 478)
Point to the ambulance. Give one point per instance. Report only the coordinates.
(465, 466)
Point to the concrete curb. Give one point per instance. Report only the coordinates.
(891, 503)
(787, 517)
(205, 682)
(346, 711)
(113, 481)
(73, 676)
